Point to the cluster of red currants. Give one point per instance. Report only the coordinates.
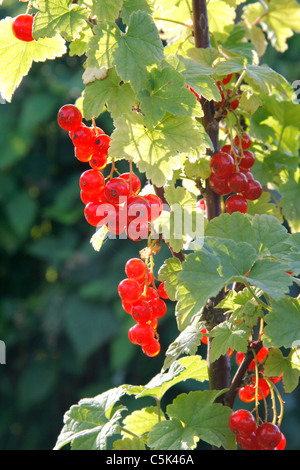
(22, 27)
(114, 202)
(146, 304)
(231, 173)
(247, 392)
(249, 436)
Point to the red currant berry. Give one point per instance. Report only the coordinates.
(130, 290)
(253, 190)
(151, 294)
(92, 182)
(159, 308)
(141, 311)
(219, 185)
(152, 349)
(141, 334)
(247, 173)
(222, 165)
(247, 442)
(83, 154)
(247, 161)
(101, 143)
(260, 356)
(268, 435)
(239, 358)
(137, 231)
(194, 92)
(156, 206)
(127, 306)
(138, 207)
(237, 182)
(246, 395)
(245, 140)
(236, 203)
(69, 117)
(97, 213)
(227, 79)
(116, 220)
(22, 27)
(135, 182)
(201, 204)
(231, 150)
(98, 161)
(204, 338)
(87, 197)
(242, 423)
(282, 443)
(82, 136)
(116, 191)
(162, 291)
(275, 380)
(135, 268)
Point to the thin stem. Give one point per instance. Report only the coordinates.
(258, 300)
(158, 409)
(173, 21)
(129, 432)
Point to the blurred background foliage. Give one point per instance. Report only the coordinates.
(60, 316)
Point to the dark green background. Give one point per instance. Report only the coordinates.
(60, 316)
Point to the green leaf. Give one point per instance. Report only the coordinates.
(106, 10)
(220, 16)
(165, 93)
(281, 20)
(263, 79)
(192, 367)
(193, 416)
(283, 324)
(204, 273)
(225, 336)
(80, 45)
(59, 16)
(270, 276)
(127, 443)
(225, 67)
(16, 56)
(290, 192)
(155, 151)
(277, 364)
(131, 52)
(119, 98)
(142, 421)
(88, 424)
(130, 6)
(168, 272)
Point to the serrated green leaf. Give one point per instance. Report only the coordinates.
(220, 16)
(226, 336)
(193, 416)
(130, 6)
(290, 192)
(277, 364)
(88, 424)
(264, 205)
(131, 52)
(281, 20)
(106, 10)
(142, 421)
(234, 65)
(168, 273)
(263, 79)
(165, 93)
(59, 16)
(118, 97)
(155, 151)
(16, 56)
(283, 324)
(270, 276)
(80, 45)
(127, 443)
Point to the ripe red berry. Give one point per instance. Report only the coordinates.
(162, 291)
(237, 182)
(82, 136)
(152, 348)
(92, 182)
(227, 79)
(201, 204)
(97, 213)
(22, 27)
(253, 190)
(260, 356)
(135, 268)
(239, 356)
(268, 435)
(101, 143)
(83, 154)
(137, 231)
(130, 290)
(116, 220)
(204, 338)
(141, 334)
(156, 206)
(116, 191)
(282, 443)
(222, 165)
(247, 161)
(141, 311)
(98, 161)
(151, 294)
(247, 442)
(138, 207)
(219, 185)
(242, 422)
(233, 151)
(245, 140)
(69, 117)
(135, 182)
(159, 308)
(236, 203)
